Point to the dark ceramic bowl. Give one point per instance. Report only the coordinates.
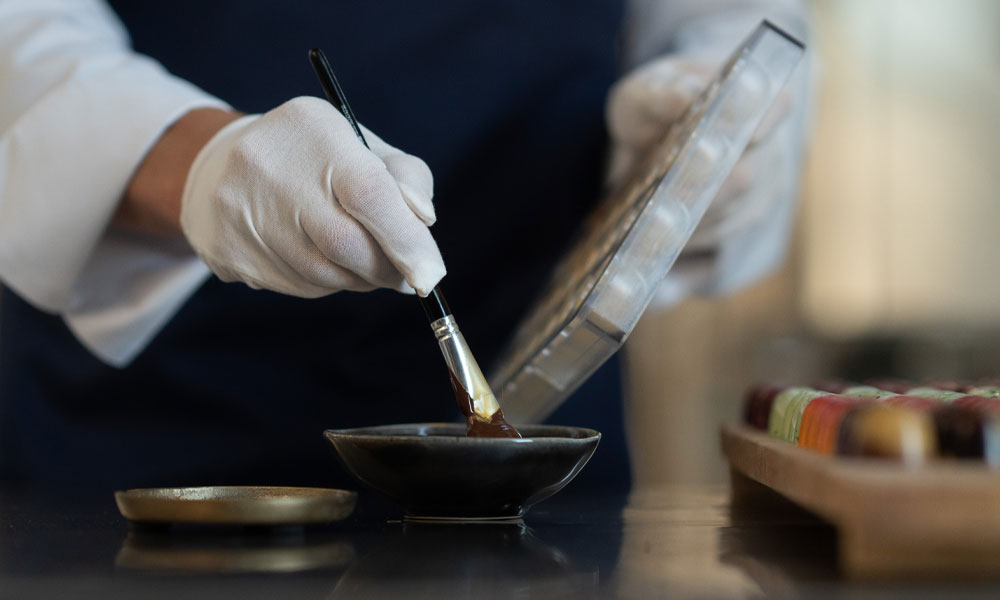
(433, 471)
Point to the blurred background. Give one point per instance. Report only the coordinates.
(894, 267)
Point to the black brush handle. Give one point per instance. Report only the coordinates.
(434, 304)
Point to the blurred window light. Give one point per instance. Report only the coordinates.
(901, 216)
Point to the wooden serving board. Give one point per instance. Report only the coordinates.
(939, 519)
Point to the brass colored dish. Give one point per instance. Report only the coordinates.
(236, 505)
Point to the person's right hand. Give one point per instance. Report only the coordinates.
(293, 202)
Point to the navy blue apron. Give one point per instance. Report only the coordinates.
(504, 100)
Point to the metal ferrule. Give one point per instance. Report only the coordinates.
(461, 362)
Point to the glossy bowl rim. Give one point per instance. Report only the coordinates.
(367, 434)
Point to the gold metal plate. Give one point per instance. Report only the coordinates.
(236, 505)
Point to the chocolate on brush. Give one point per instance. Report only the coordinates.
(496, 427)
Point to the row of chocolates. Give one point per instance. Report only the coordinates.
(885, 419)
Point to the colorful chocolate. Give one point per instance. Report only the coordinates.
(786, 412)
(878, 430)
(935, 394)
(867, 391)
(912, 402)
(983, 403)
(986, 391)
(757, 404)
(954, 421)
(961, 431)
(821, 421)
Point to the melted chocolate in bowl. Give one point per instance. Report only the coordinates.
(497, 427)
(476, 426)
(434, 471)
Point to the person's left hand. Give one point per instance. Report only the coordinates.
(641, 108)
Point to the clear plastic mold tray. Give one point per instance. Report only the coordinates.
(604, 283)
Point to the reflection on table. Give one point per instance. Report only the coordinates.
(465, 561)
(670, 542)
(272, 550)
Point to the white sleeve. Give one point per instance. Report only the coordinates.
(710, 30)
(78, 112)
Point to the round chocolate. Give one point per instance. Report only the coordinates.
(959, 431)
(877, 430)
(757, 404)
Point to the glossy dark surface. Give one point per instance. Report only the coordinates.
(673, 542)
(434, 470)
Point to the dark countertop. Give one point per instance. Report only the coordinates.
(673, 542)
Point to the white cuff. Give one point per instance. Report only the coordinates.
(129, 289)
(78, 112)
(131, 284)
(70, 157)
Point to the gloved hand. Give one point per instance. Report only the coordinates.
(292, 201)
(641, 108)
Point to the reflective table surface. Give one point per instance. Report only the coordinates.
(679, 542)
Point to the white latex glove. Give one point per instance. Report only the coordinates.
(641, 108)
(292, 201)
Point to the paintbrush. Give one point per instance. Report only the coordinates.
(473, 394)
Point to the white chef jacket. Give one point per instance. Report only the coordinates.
(79, 110)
